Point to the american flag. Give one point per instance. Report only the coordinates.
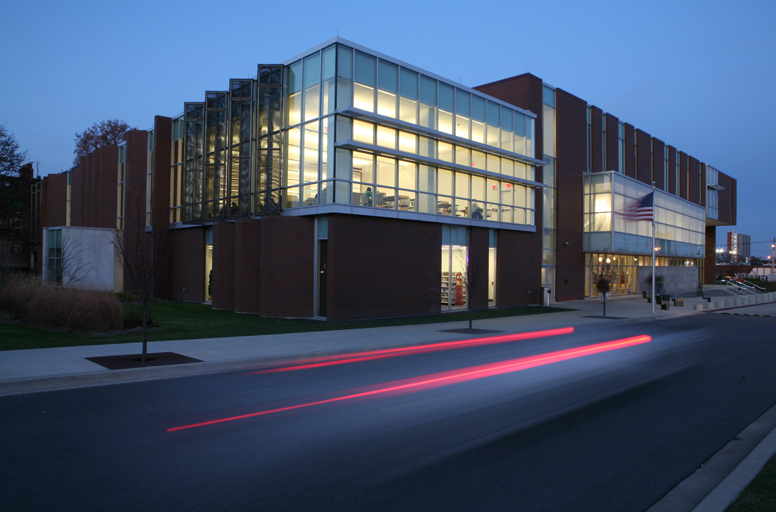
(640, 209)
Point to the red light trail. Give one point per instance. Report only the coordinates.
(415, 349)
(451, 377)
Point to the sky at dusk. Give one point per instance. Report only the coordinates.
(699, 75)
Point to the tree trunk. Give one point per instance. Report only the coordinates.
(604, 304)
(470, 317)
(145, 329)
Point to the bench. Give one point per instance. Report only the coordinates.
(679, 303)
(665, 305)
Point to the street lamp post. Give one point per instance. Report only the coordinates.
(773, 254)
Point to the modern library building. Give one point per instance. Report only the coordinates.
(345, 184)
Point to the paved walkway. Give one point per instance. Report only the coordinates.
(25, 371)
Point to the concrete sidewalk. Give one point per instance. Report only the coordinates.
(720, 482)
(67, 367)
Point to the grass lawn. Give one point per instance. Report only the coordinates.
(179, 320)
(760, 496)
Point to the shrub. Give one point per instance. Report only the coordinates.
(78, 310)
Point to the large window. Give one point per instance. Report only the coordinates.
(455, 262)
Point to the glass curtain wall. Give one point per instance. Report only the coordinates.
(240, 123)
(267, 137)
(549, 206)
(323, 166)
(455, 257)
(625, 275)
(193, 162)
(215, 182)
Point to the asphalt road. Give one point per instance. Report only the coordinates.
(608, 431)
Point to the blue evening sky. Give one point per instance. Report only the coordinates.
(699, 75)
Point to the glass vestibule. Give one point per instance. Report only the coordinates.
(455, 257)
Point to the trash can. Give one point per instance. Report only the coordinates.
(545, 296)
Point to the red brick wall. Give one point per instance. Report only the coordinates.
(612, 143)
(683, 171)
(672, 170)
(695, 177)
(55, 200)
(630, 152)
(596, 138)
(571, 163)
(645, 157)
(518, 262)
(478, 261)
(161, 200)
(223, 264)
(727, 199)
(287, 266)
(384, 267)
(247, 256)
(658, 163)
(188, 264)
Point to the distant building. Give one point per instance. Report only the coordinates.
(739, 246)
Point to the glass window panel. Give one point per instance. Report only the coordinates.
(494, 164)
(408, 142)
(478, 131)
(426, 147)
(479, 160)
(462, 207)
(492, 212)
(462, 127)
(548, 96)
(427, 179)
(363, 167)
(446, 97)
(507, 194)
(344, 62)
(344, 128)
(444, 205)
(493, 191)
(386, 137)
(292, 197)
(445, 183)
(445, 152)
(445, 122)
(328, 66)
(310, 195)
(478, 188)
(493, 136)
(408, 110)
(388, 76)
(363, 132)
(312, 102)
(386, 103)
(463, 156)
(462, 182)
(312, 70)
(344, 166)
(428, 90)
(520, 196)
(409, 84)
(363, 194)
(507, 214)
(407, 171)
(311, 153)
(364, 97)
(427, 203)
(463, 103)
(385, 197)
(294, 77)
(478, 109)
(407, 201)
(293, 155)
(493, 114)
(507, 167)
(386, 171)
(366, 67)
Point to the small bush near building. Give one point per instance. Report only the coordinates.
(74, 310)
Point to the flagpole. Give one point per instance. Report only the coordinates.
(653, 248)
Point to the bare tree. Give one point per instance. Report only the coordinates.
(105, 133)
(70, 266)
(144, 255)
(603, 272)
(10, 157)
